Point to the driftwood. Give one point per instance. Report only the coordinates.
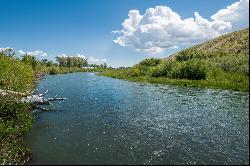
(34, 100)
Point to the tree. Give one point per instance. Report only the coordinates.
(29, 59)
(150, 62)
(8, 52)
(47, 62)
(71, 61)
(62, 61)
(105, 65)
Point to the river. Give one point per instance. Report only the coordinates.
(112, 121)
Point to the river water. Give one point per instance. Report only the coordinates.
(112, 121)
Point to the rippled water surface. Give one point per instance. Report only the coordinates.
(111, 121)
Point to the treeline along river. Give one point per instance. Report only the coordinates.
(111, 121)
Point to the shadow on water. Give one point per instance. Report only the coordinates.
(111, 121)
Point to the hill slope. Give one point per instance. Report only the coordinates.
(232, 43)
(219, 63)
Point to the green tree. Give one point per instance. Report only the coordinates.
(8, 52)
(31, 60)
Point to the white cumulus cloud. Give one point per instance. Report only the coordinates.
(81, 56)
(34, 53)
(103, 60)
(77, 55)
(160, 27)
(236, 14)
(93, 59)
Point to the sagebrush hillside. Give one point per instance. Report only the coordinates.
(234, 43)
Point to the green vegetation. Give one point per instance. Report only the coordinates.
(15, 120)
(15, 75)
(71, 61)
(20, 75)
(220, 63)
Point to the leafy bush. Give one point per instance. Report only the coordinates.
(183, 70)
(163, 69)
(15, 122)
(15, 75)
(10, 107)
(138, 70)
(54, 70)
(150, 62)
(30, 60)
(192, 70)
(234, 63)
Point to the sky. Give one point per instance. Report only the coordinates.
(118, 32)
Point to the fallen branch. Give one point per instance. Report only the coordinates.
(43, 93)
(32, 99)
(58, 98)
(44, 109)
(39, 100)
(41, 108)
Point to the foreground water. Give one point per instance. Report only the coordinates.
(111, 121)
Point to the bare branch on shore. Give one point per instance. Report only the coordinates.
(35, 100)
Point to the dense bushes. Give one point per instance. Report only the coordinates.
(187, 70)
(163, 69)
(150, 62)
(30, 60)
(15, 121)
(239, 64)
(190, 54)
(15, 75)
(192, 70)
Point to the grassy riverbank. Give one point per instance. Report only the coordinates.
(15, 117)
(220, 63)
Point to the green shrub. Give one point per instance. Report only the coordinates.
(15, 122)
(9, 107)
(234, 63)
(30, 60)
(188, 70)
(54, 70)
(138, 70)
(162, 70)
(150, 62)
(189, 54)
(15, 75)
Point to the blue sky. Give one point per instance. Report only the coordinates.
(85, 26)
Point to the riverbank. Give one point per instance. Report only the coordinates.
(15, 117)
(237, 84)
(219, 63)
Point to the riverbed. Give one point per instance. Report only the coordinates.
(111, 121)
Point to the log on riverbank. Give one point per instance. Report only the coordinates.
(34, 100)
